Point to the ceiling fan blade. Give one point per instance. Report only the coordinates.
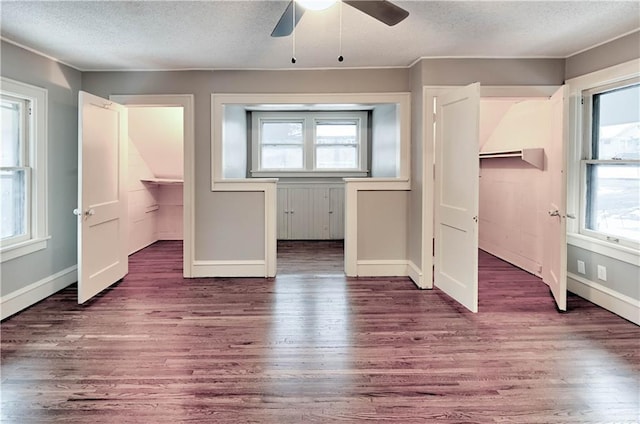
(382, 10)
(285, 25)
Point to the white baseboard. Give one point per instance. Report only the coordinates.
(256, 268)
(33, 293)
(382, 268)
(620, 304)
(415, 274)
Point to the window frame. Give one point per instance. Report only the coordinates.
(309, 119)
(22, 165)
(35, 157)
(575, 153)
(588, 151)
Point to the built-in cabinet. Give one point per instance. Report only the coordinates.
(309, 211)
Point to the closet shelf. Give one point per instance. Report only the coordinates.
(533, 156)
(162, 181)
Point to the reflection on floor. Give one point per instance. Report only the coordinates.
(158, 348)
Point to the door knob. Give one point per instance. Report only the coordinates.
(86, 213)
(554, 213)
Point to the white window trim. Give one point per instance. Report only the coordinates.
(577, 235)
(38, 162)
(309, 147)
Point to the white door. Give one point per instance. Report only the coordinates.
(456, 194)
(102, 195)
(554, 269)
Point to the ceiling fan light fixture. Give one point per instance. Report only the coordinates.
(316, 4)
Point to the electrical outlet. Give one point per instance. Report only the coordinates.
(581, 268)
(602, 273)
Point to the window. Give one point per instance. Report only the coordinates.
(611, 163)
(22, 169)
(336, 144)
(309, 143)
(282, 144)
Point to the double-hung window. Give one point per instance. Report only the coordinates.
(337, 144)
(282, 144)
(16, 172)
(309, 143)
(610, 165)
(22, 169)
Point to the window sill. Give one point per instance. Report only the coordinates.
(17, 250)
(601, 247)
(309, 174)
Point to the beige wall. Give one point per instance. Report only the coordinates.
(613, 53)
(219, 234)
(382, 225)
(492, 71)
(62, 84)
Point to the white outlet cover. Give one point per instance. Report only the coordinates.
(581, 267)
(602, 273)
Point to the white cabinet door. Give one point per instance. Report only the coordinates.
(310, 213)
(283, 213)
(336, 213)
(456, 191)
(554, 270)
(102, 195)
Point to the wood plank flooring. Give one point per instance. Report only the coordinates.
(319, 257)
(307, 348)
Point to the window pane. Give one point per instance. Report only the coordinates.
(613, 200)
(336, 132)
(336, 157)
(282, 157)
(11, 147)
(616, 128)
(13, 194)
(281, 133)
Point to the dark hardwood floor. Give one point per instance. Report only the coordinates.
(319, 257)
(308, 348)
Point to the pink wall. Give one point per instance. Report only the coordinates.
(142, 203)
(513, 204)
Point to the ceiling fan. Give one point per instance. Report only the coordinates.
(382, 10)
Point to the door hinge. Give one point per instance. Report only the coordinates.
(581, 100)
(30, 111)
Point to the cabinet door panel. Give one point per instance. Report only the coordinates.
(336, 213)
(283, 213)
(308, 213)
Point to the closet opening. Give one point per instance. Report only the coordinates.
(155, 177)
(502, 200)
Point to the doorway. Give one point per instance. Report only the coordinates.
(521, 179)
(310, 228)
(173, 202)
(155, 175)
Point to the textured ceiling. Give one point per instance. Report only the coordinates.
(116, 35)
